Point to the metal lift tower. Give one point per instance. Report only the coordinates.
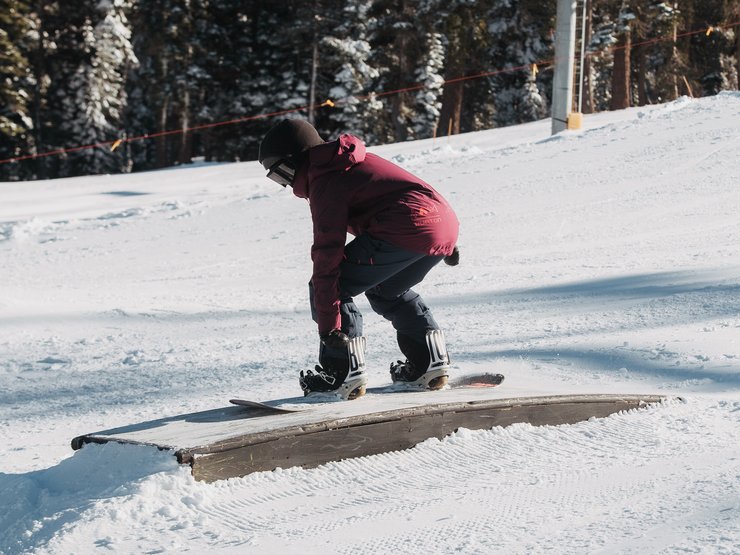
(565, 45)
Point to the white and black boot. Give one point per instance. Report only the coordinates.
(426, 366)
(341, 373)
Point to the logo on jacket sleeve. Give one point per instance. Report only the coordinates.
(427, 215)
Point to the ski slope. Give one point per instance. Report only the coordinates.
(600, 261)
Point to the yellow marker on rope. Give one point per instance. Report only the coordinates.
(115, 145)
(709, 30)
(535, 71)
(328, 102)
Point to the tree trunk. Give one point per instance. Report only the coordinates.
(449, 117)
(185, 153)
(452, 93)
(642, 94)
(674, 64)
(314, 73)
(621, 73)
(40, 76)
(315, 18)
(162, 160)
(737, 54)
(588, 87)
(398, 103)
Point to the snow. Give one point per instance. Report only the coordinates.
(603, 260)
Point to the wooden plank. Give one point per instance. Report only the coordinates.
(235, 441)
(225, 425)
(146, 433)
(391, 431)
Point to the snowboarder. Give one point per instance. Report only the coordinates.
(402, 229)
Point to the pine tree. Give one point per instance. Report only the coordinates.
(61, 51)
(95, 99)
(428, 100)
(147, 109)
(600, 51)
(710, 51)
(621, 84)
(466, 103)
(15, 87)
(79, 60)
(393, 69)
(347, 73)
(169, 86)
(397, 32)
(279, 71)
(733, 19)
(253, 68)
(659, 64)
(182, 75)
(225, 51)
(517, 38)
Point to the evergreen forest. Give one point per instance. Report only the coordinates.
(111, 86)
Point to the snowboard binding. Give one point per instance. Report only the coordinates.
(424, 368)
(343, 372)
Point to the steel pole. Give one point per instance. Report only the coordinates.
(565, 48)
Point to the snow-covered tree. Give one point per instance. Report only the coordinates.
(711, 53)
(462, 24)
(275, 73)
(225, 48)
(428, 100)
(96, 98)
(392, 70)
(169, 88)
(345, 66)
(409, 52)
(656, 66)
(15, 86)
(518, 40)
(84, 53)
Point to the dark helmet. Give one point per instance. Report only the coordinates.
(286, 139)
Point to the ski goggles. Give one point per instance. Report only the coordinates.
(282, 172)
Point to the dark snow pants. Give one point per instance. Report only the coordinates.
(385, 273)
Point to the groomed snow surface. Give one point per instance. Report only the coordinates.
(605, 260)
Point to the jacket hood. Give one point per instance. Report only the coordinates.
(335, 156)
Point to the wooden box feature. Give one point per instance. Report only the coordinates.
(236, 441)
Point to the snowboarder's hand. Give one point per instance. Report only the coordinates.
(335, 339)
(454, 258)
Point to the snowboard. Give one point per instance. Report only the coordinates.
(481, 380)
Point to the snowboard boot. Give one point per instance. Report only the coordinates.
(341, 373)
(426, 367)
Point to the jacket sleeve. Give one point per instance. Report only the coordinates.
(329, 212)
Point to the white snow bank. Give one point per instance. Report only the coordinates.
(38, 505)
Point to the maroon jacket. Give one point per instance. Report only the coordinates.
(351, 190)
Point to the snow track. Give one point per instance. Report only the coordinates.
(648, 480)
(604, 261)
